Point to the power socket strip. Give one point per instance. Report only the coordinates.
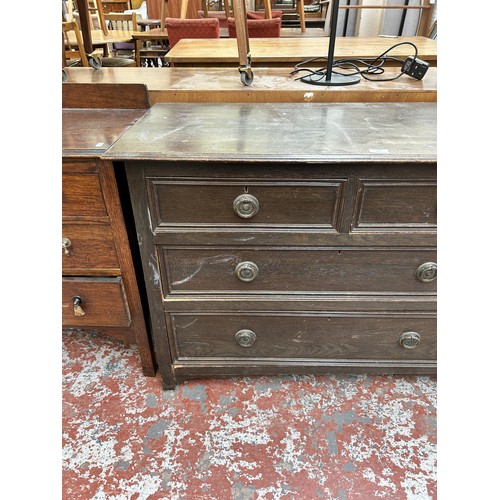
(415, 67)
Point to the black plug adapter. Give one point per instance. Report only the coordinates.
(415, 67)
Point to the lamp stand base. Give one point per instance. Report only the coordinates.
(335, 80)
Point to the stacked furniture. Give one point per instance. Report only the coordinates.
(100, 289)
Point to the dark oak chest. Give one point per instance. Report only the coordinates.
(280, 238)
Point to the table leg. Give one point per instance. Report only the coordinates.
(184, 8)
(267, 9)
(302, 16)
(163, 14)
(227, 8)
(138, 46)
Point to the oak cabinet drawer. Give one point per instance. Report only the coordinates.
(288, 270)
(88, 246)
(95, 302)
(327, 336)
(82, 195)
(229, 203)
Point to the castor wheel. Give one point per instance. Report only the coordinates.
(246, 78)
(95, 61)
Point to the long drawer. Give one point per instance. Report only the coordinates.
(320, 336)
(95, 302)
(297, 270)
(88, 247)
(229, 203)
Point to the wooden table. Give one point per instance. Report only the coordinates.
(286, 51)
(157, 34)
(211, 84)
(99, 38)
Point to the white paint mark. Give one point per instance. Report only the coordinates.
(379, 151)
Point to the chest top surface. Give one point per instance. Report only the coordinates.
(281, 132)
(89, 132)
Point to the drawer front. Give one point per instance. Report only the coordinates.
(395, 205)
(329, 336)
(82, 195)
(88, 246)
(103, 302)
(225, 203)
(259, 270)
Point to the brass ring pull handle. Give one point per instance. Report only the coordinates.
(409, 340)
(245, 338)
(66, 244)
(77, 306)
(246, 205)
(427, 272)
(247, 271)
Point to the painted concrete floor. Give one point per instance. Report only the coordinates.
(293, 437)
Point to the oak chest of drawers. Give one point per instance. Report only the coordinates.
(99, 284)
(284, 238)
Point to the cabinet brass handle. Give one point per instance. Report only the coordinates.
(246, 205)
(245, 338)
(409, 340)
(77, 306)
(66, 244)
(247, 271)
(427, 271)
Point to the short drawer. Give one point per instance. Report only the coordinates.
(94, 302)
(82, 195)
(305, 336)
(255, 204)
(395, 205)
(292, 270)
(88, 246)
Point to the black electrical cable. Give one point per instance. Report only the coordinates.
(373, 66)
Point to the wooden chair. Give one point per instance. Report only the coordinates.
(95, 7)
(126, 22)
(258, 28)
(178, 29)
(72, 56)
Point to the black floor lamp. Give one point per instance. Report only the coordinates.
(329, 78)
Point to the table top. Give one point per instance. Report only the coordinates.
(308, 132)
(296, 49)
(113, 36)
(213, 84)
